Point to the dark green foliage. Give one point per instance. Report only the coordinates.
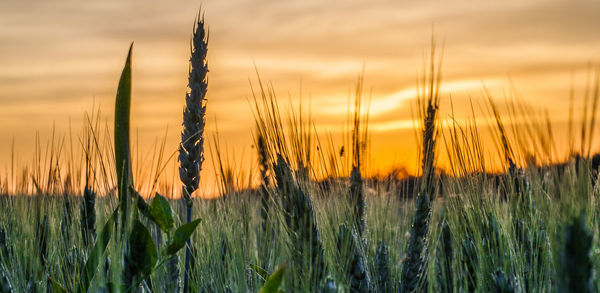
(161, 214)
(67, 219)
(300, 220)
(140, 257)
(492, 240)
(123, 154)
(521, 235)
(357, 199)
(382, 268)
(414, 265)
(41, 240)
(182, 234)
(121, 134)
(56, 287)
(576, 258)
(534, 245)
(88, 216)
(262, 273)
(445, 257)
(539, 261)
(95, 255)
(141, 251)
(502, 283)
(106, 267)
(5, 284)
(142, 206)
(142, 260)
(173, 280)
(328, 286)
(470, 264)
(530, 234)
(75, 262)
(4, 246)
(221, 267)
(349, 248)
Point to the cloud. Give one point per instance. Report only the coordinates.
(65, 52)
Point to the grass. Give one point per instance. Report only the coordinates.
(224, 251)
(315, 223)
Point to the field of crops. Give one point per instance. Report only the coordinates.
(536, 239)
(313, 223)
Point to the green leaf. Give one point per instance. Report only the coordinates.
(142, 206)
(182, 234)
(161, 213)
(264, 275)
(274, 282)
(56, 287)
(122, 150)
(91, 264)
(141, 251)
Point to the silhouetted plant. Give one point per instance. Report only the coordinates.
(503, 283)
(300, 220)
(576, 257)
(88, 216)
(41, 240)
(191, 150)
(5, 284)
(445, 257)
(382, 267)
(470, 264)
(349, 247)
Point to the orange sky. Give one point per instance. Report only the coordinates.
(58, 57)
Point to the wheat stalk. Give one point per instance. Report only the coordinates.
(349, 247)
(41, 240)
(470, 264)
(191, 150)
(88, 216)
(444, 260)
(414, 267)
(300, 219)
(382, 267)
(268, 231)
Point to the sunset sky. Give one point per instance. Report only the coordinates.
(58, 58)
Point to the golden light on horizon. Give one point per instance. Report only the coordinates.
(62, 58)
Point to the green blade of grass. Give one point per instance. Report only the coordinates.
(122, 149)
(182, 234)
(56, 287)
(274, 282)
(91, 265)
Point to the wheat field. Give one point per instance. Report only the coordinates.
(312, 218)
